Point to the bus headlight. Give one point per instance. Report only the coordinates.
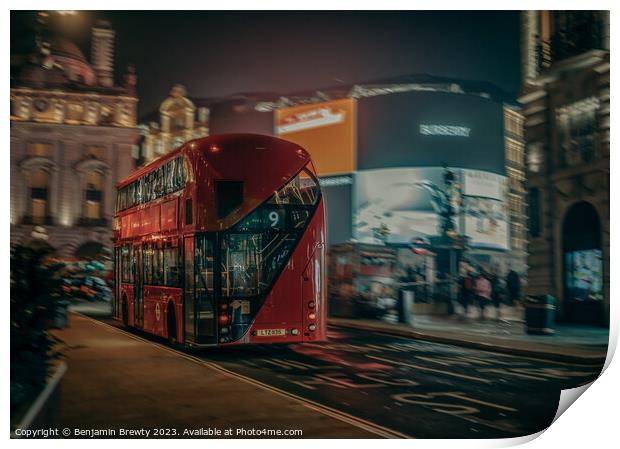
(312, 327)
(294, 331)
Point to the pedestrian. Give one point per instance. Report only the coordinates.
(483, 291)
(513, 285)
(495, 294)
(466, 290)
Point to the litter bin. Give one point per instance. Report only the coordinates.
(540, 315)
(405, 306)
(61, 317)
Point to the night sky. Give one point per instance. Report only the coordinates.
(220, 53)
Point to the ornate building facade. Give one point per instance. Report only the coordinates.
(177, 120)
(72, 132)
(565, 98)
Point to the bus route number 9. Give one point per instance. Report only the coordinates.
(274, 219)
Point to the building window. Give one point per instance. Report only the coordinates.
(39, 149)
(203, 114)
(577, 131)
(177, 142)
(513, 124)
(95, 152)
(514, 152)
(39, 196)
(179, 121)
(93, 207)
(575, 32)
(533, 203)
(159, 146)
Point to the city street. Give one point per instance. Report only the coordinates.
(419, 389)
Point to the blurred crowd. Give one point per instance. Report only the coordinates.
(482, 288)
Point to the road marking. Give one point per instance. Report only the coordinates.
(464, 397)
(434, 370)
(336, 379)
(508, 372)
(361, 423)
(404, 397)
(457, 410)
(277, 363)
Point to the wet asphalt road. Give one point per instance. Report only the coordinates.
(418, 388)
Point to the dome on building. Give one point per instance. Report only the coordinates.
(65, 48)
(72, 61)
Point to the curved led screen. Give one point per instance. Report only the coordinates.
(425, 129)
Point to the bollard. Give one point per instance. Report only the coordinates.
(405, 306)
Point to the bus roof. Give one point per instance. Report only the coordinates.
(225, 145)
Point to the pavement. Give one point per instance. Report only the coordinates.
(117, 380)
(506, 334)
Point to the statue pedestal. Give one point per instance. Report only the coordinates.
(449, 251)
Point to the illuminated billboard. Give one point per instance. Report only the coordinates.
(326, 130)
(430, 129)
(400, 201)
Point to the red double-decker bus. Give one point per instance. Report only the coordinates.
(222, 242)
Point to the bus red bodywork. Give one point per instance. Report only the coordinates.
(222, 242)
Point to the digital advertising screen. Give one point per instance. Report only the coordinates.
(326, 130)
(584, 275)
(403, 201)
(337, 192)
(427, 129)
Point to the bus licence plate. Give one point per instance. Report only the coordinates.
(270, 332)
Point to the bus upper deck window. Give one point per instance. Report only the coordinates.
(189, 215)
(229, 196)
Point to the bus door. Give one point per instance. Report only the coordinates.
(199, 300)
(117, 282)
(189, 304)
(138, 290)
(204, 265)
